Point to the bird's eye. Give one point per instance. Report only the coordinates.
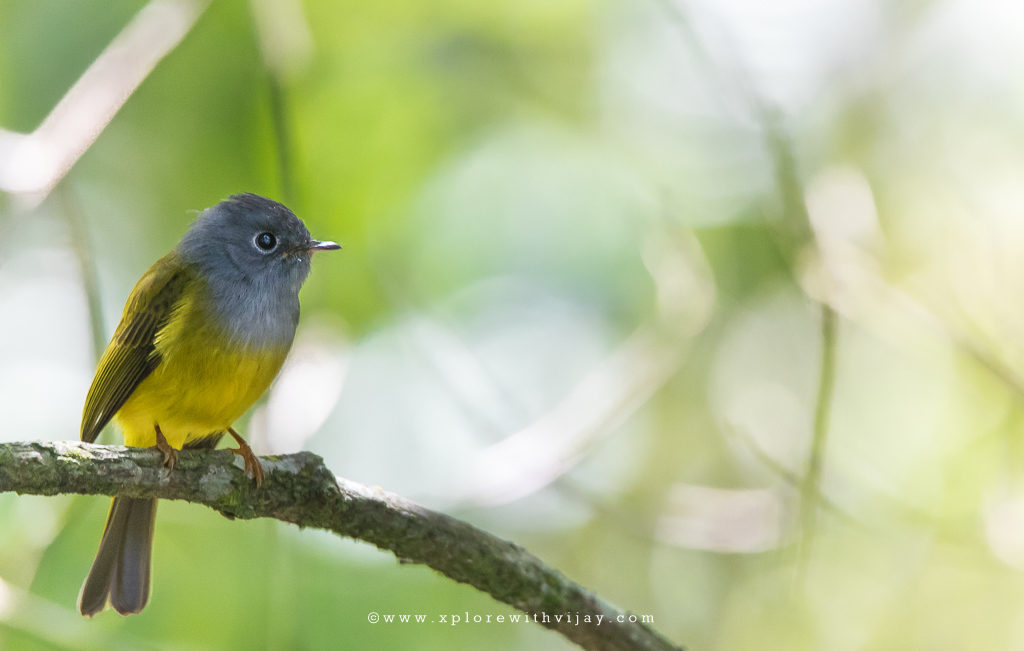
(265, 242)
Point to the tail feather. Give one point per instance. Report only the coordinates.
(121, 570)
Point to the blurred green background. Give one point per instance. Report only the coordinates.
(591, 249)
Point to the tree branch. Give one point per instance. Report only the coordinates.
(301, 490)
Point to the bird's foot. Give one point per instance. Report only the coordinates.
(253, 467)
(170, 454)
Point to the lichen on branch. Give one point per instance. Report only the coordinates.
(300, 489)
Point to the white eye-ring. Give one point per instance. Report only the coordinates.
(265, 242)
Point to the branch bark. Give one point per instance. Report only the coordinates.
(299, 489)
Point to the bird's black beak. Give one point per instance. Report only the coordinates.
(317, 245)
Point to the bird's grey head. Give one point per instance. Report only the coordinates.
(252, 240)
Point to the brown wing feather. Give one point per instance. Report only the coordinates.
(131, 354)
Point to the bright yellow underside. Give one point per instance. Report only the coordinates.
(197, 390)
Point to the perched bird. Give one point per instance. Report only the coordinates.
(202, 335)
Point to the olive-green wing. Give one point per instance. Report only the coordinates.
(131, 354)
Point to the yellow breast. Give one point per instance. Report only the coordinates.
(203, 384)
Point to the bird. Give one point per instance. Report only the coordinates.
(202, 335)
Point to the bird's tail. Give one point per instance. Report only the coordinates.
(120, 573)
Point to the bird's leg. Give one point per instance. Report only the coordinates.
(252, 462)
(170, 454)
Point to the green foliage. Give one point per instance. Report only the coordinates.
(533, 195)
